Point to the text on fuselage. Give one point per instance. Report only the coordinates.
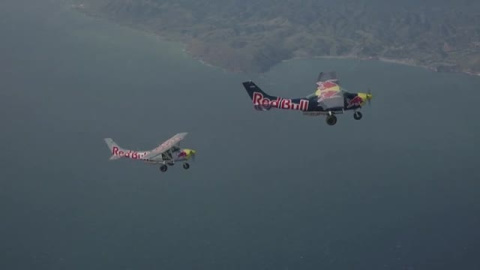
(280, 103)
(128, 154)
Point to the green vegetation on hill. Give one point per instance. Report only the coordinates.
(254, 35)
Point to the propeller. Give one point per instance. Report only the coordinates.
(369, 97)
(193, 155)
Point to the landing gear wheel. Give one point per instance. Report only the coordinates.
(186, 166)
(171, 163)
(163, 168)
(357, 115)
(331, 120)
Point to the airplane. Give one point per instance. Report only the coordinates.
(329, 99)
(167, 153)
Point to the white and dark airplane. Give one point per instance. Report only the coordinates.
(329, 99)
(167, 153)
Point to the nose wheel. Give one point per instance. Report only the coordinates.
(163, 168)
(331, 120)
(357, 115)
(186, 166)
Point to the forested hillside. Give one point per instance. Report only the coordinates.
(253, 35)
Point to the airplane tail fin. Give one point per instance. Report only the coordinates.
(252, 88)
(114, 148)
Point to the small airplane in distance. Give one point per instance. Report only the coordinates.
(329, 99)
(167, 153)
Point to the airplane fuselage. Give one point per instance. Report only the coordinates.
(351, 101)
(329, 99)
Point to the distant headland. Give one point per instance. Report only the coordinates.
(254, 35)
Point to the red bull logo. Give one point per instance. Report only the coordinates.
(186, 154)
(355, 102)
(280, 103)
(182, 154)
(326, 95)
(326, 85)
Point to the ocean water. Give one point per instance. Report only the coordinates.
(276, 190)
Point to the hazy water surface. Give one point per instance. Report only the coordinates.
(397, 190)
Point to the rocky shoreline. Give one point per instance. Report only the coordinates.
(256, 44)
(405, 62)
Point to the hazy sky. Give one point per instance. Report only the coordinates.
(276, 190)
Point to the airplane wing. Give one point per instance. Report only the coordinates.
(328, 76)
(165, 146)
(328, 91)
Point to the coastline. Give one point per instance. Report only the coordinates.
(405, 62)
(185, 43)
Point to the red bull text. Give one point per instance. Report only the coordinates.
(280, 103)
(128, 154)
